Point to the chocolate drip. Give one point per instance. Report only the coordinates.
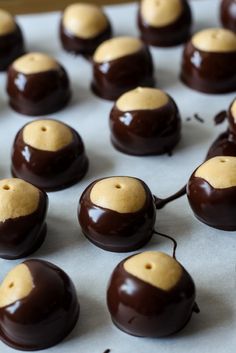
(160, 203)
(170, 238)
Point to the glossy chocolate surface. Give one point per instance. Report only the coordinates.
(11, 47)
(170, 35)
(141, 309)
(48, 170)
(21, 236)
(47, 315)
(225, 144)
(207, 71)
(114, 231)
(40, 93)
(85, 47)
(115, 77)
(228, 14)
(215, 207)
(146, 132)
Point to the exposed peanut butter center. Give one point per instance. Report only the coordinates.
(116, 48)
(7, 23)
(215, 40)
(219, 172)
(142, 98)
(17, 198)
(155, 268)
(33, 63)
(47, 135)
(17, 285)
(120, 194)
(84, 20)
(160, 13)
(233, 110)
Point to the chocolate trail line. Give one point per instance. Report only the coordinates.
(160, 203)
(170, 238)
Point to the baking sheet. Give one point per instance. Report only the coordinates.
(208, 254)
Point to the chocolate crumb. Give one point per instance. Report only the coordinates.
(198, 118)
(220, 117)
(188, 118)
(107, 351)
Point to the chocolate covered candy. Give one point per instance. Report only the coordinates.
(23, 210)
(164, 23)
(11, 40)
(83, 28)
(38, 306)
(145, 121)
(150, 294)
(208, 63)
(49, 154)
(119, 65)
(37, 85)
(228, 14)
(211, 192)
(225, 144)
(117, 213)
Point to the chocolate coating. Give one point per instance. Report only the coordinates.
(113, 78)
(85, 47)
(113, 231)
(225, 144)
(39, 93)
(47, 315)
(21, 236)
(208, 72)
(214, 207)
(48, 170)
(146, 132)
(11, 47)
(228, 14)
(141, 309)
(170, 35)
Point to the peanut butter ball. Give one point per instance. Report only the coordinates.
(23, 209)
(164, 23)
(83, 28)
(119, 65)
(117, 213)
(211, 192)
(225, 143)
(38, 306)
(150, 294)
(228, 14)
(49, 154)
(208, 63)
(37, 85)
(11, 40)
(145, 121)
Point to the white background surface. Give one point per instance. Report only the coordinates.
(209, 255)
